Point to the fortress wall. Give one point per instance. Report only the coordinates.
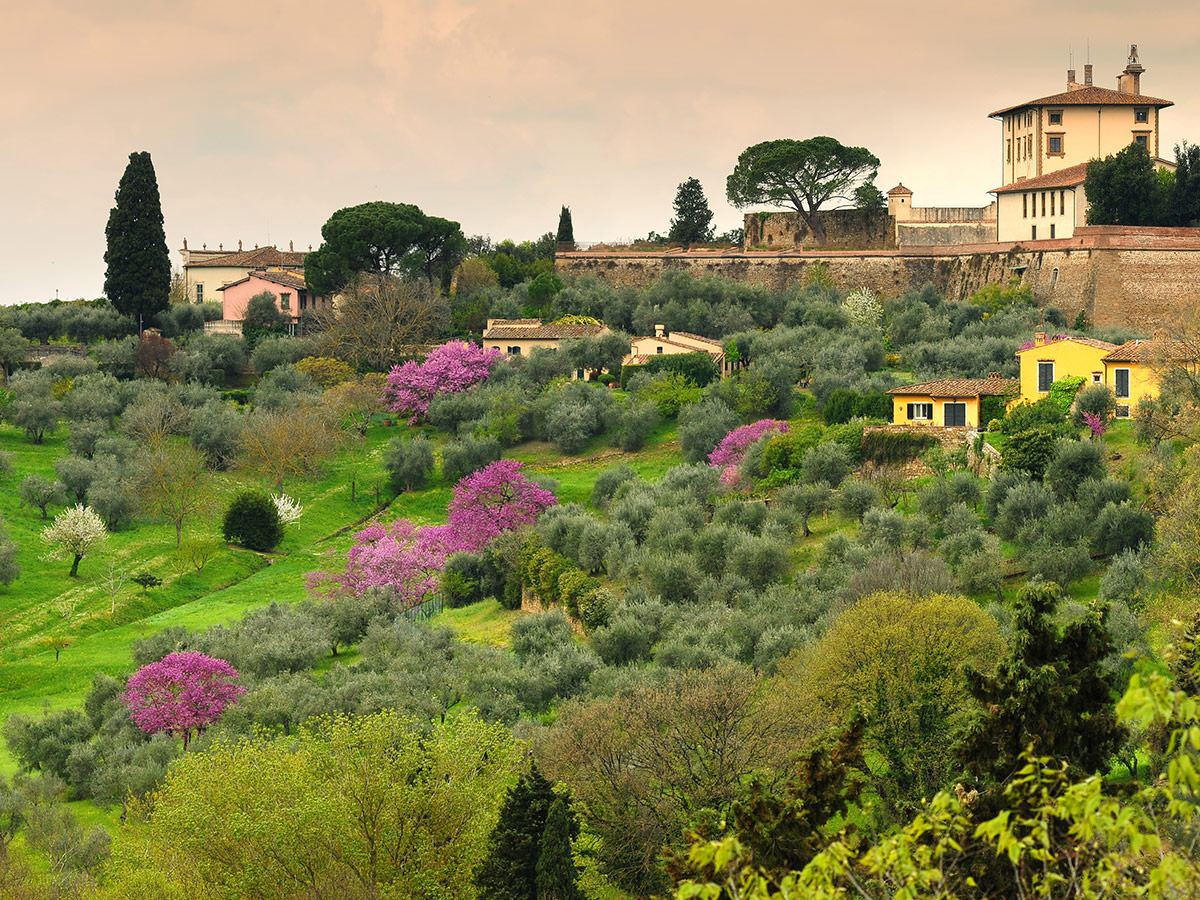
(1142, 289)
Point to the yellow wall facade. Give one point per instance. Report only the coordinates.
(900, 409)
(1054, 213)
(1069, 357)
(1143, 384)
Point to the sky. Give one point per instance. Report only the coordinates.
(263, 117)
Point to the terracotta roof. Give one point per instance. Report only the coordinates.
(1142, 350)
(696, 337)
(250, 259)
(960, 387)
(899, 189)
(1068, 177)
(1059, 338)
(283, 279)
(717, 349)
(1090, 95)
(521, 330)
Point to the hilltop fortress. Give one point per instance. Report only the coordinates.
(1035, 230)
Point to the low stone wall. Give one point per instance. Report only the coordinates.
(937, 234)
(860, 229)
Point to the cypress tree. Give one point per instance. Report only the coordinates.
(557, 875)
(138, 278)
(693, 218)
(1050, 693)
(509, 870)
(566, 230)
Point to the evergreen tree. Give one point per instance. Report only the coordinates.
(138, 279)
(509, 870)
(1124, 189)
(557, 875)
(693, 219)
(566, 230)
(1185, 195)
(1049, 693)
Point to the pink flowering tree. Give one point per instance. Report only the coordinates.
(729, 454)
(409, 560)
(454, 366)
(181, 694)
(1097, 424)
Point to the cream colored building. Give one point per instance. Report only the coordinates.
(518, 337)
(1046, 144)
(672, 343)
(206, 271)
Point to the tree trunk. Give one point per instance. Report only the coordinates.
(74, 573)
(178, 533)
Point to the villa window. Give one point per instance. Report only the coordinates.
(1052, 204)
(1143, 139)
(199, 293)
(1043, 203)
(1008, 150)
(1033, 232)
(1052, 227)
(1121, 384)
(1045, 376)
(658, 350)
(1141, 114)
(954, 415)
(285, 301)
(1096, 378)
(1054, 146)
(1056, 117)
(1054, 271)
(920, 412)
(1062, 201)
(1025, 206)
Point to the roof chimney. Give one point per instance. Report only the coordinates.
(1087, 74)
(185, 243)
(660, 331)
(1039, 338)
(1130, 81)
(291, 249)
(1070, 79)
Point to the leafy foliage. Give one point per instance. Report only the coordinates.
(181, 694)
(137, 279)
(253, 521)
(452, 367)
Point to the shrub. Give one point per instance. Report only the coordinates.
(698, 368)
(1074, 462)
(856, 497)
(325, 370)
(1024, 416)
(1095, 399)
(252, 520)
(668, 391)
(1030, 451)
(470, 454)
(408, 463)
(702, 426)
(1122, 527)
(608, 481)
(1062, 392)
(843, 405)
(40, 492)
(1023, 505)
(215, 430)
(634, 423)
(828, 462)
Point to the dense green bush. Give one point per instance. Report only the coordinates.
(461, 458)
(702, 426)
(1073, 463)
(844, 405)
(1030, 451)
(1121, 527)
(408, 463)
(253, 521)
(699, 368)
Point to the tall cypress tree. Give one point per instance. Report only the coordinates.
(693, 218)
(557, 874)
(138, 279)
(509, 870)
(566, 230)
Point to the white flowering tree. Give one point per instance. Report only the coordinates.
(863, 308)
(289, 510)
(75, 532)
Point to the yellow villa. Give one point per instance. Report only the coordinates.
(949, 403)
(671, 343)
(1046, 361)
(1128, 370)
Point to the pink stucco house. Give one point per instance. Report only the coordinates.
(291, 294)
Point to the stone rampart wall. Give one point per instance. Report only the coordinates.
(1140, 288)
(938, 234)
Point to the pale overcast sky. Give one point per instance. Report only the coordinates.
(264, 116)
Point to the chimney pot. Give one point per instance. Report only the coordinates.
(1087, 73)
(1070, 77)
(994, 375)
(1039, 338)
(185, 243)
(660, 331)
(239, 246)
(290, 247)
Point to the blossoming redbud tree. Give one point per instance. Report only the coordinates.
(729, 454)
(409, 560)
(452, 367)
(181, 694)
